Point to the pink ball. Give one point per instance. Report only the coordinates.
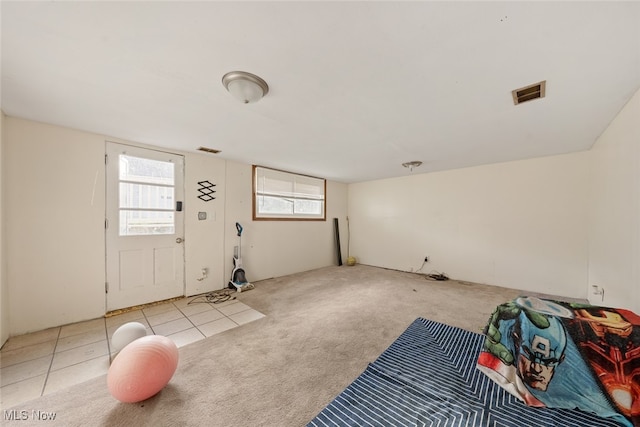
(142, 368)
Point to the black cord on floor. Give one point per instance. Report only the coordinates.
(434, 275)
(215, 297)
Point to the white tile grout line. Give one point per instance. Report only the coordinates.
(44, 385)
(106, 334)
(190, 321)
(53, 354)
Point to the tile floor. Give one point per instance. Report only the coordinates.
(39, 363)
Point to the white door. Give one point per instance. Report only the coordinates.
(144, 227)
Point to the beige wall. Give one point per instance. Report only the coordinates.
(54, 218)
(204, 239)
(4, 288)
(519, 224)
(614, 212)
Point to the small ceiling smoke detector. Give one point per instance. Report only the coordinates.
(529, 93)
(411, 165)
(208, 150)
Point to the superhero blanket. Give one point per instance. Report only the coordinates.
(428, 377)
(565, 355)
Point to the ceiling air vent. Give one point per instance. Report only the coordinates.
(529, 93)
(209, 150)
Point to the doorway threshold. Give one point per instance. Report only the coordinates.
(140, 307)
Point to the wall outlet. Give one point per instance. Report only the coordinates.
(598, 290)
(204, 272)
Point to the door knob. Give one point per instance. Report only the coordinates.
(179, 240)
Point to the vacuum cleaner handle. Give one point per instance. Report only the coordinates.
(239, 228)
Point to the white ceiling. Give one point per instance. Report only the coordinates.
(356, 88)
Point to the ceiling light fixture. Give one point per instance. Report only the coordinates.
(245, 86)
(411, 165)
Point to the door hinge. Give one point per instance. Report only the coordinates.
(106, 287)
(106, 159)
(106, 223)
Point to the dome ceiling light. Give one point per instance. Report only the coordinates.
(411, 165)
(246, 87)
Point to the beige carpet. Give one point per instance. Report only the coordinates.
(321, 330)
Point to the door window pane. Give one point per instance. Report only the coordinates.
(143, 196)
(147, 196)
(146, 170)
(137, 223)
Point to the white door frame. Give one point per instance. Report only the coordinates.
(144, 257)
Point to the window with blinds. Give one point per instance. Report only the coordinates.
(279, 195)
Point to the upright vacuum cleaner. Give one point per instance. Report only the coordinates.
(238, 280)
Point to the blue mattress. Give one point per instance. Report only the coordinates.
(428, 377)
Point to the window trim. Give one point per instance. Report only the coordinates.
(284, 218)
